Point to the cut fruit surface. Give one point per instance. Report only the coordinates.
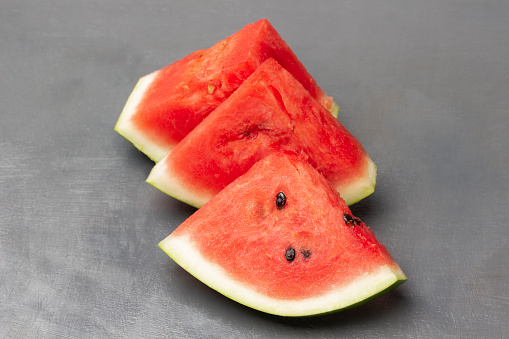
(279, 239)
(169, 103)
(270, 111)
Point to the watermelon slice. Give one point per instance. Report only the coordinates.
(269, 111)
(279, 239)
(169, 103)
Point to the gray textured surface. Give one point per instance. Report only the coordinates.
(424, 85)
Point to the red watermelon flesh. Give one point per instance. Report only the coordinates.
(303, 257)
(269, 111)
(168, 104)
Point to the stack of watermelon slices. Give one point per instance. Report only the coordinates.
(243, 132)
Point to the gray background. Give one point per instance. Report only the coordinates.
(424, 85)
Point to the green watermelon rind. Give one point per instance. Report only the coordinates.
(361, 290)
(164, 179)
(362, 187)
(334, 109)
(128, 130)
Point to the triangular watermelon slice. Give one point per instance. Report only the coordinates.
(279, 239)
(169, 103)
(269, 111)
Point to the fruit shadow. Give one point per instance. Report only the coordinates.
(381, 310)
(167, 208)
(163, 206)
(137, 159)
(190, 291)
(368, 208)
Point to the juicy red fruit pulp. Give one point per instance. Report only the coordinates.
(291, 252)
(185, 92)
(270, 111)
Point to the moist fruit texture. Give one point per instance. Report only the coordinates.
(281, 240)
(270, 111)
(169, 103)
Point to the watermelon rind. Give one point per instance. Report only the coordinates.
(163, 178)
(364, 288)
(139, 139)
(363, 187)
(128, 130)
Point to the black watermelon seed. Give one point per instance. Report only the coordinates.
(357, 220)
(305, 253)
(280, 200)
(348, 219)
(290, 254)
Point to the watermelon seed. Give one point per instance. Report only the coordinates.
(357, 220)
(305, 253)
(290, 254)
(280, 200)
(349, 220)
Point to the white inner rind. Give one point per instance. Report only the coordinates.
(128, 130)
(182, 250)
(164, 179)
(361, 188)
